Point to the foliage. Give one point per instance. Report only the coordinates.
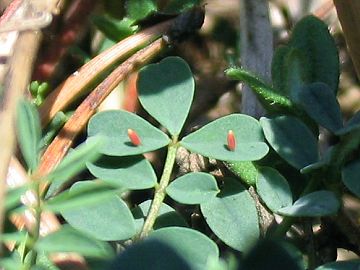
(104, 227)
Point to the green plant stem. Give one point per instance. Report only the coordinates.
(287, 222)
(160, 192)
(36, 231)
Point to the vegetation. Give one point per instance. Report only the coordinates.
(148, 190)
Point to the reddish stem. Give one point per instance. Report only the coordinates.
(62, 142)
(130, 102)
(10, 10)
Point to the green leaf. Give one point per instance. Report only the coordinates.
(352, 125)
(355, 120)
(176, 6)
(315, 204)
(134, 172)
(270, 99)
(322, 164)
(109, 220)
(245, 170)
(167, 216)
(211, 140)
(278, 70)
(192, 245)
(312, 37)
(13, 195)
(229, 263)
(53, 128)
(320, 103)
(75, 161)
(43, 262)
(296, 73)
(350, 177)
(276, 254)
(81, 55)
(105, 44)
(34, 87)
(193, 188)
(113, 127)
(19, 236)
(289, 71)
(343, 151)
(166, 92)
(232, 216)
(139, 9)
(84, 193)
(150, 255)
(67, 239)
(342, 265)
(114, 29)
(11, 263)
(273, 189)
(28, 133)
(291, 139)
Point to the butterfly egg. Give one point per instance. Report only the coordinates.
(134, 137)
(231, 142)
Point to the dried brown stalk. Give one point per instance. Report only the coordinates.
(20, 66)
(77, 83)
(17, 177)
(324, 10)
(348, 13)
(19, 63)
(61, 144)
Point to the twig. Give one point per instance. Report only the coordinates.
(8, 40)
(348, 13)
(76, 84)
(130, 100)
(9, 12)
(265, 216)
(324, 10)
(14, 86)
(16, 82)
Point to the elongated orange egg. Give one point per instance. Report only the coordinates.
(134, 137)
(231, 142)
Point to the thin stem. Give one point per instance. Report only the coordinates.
(283, 227)
(160, 190)
(56, 151)
(311, 251)
(75, 86)
(36, 231)
(17, 78)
